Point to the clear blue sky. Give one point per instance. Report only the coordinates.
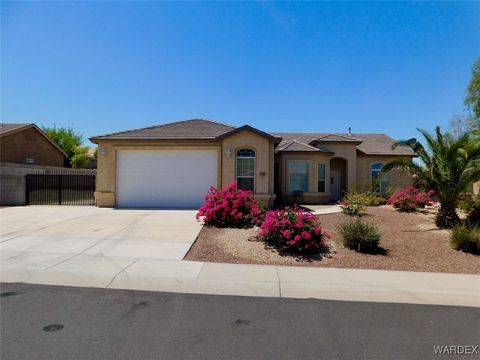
(108, 66)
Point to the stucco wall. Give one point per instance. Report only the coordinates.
(107, 167)
(263, 165)
(347, 152)
(107, 162)
(358, 168)
(312, 196)
(397, 179)
(29, 143)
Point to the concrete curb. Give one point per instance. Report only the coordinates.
(180, 276)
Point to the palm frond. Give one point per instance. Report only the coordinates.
(449, 164)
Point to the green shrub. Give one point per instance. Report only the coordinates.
(466, 202)
(473, 216)
(359, 235)
(472, 208)
(466, 238)
(375, 200)
(365, 199)
(352, 208)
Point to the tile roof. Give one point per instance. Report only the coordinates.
(381, 144)
(295, 145)
(204, 129)
(305, 138)
(371, 144)
(8, 127)
(337, 138)
(187, 129)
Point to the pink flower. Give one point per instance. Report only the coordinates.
(279, 227)
(306, 235)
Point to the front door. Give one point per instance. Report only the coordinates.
(335, 179)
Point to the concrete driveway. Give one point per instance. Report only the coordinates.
(102, 241)
(143, 250)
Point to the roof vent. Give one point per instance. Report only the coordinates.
(349, 131)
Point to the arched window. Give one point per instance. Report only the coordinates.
(379, 184)
(246, 169)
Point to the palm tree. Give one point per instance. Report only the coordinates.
(449, 166)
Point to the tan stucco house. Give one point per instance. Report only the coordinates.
(173, 165)
(28, 144)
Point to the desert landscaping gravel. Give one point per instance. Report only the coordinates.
(410, 242)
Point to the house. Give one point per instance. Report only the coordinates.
(173, 165)
(28, 144)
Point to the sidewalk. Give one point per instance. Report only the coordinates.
(323, 209)
(180, 276)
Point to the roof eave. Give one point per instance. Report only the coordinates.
(248, 128)
(96, 139)
(306, 152)
(386, 154)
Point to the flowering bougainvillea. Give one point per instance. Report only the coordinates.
(230, 207)
(411, 199)
(293, 229)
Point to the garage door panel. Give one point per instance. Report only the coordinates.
(164, 178)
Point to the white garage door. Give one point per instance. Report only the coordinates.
(164, 178)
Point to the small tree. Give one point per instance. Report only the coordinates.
(80, 158)
(67, 138)
(462, 123)
(449, 166)
(472, 100)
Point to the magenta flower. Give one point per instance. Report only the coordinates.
(292, 229)
(230, 207)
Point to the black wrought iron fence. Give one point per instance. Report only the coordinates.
(77, 189)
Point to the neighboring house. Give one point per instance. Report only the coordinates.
(28, 144)
(173, 165)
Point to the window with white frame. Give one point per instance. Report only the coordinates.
(321, 178)
(379, 184)
(246, 169)
(298, 172)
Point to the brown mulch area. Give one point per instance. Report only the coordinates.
(410, 242)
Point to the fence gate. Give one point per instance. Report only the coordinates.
(60, 189)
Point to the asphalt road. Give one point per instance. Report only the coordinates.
(50, 322)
